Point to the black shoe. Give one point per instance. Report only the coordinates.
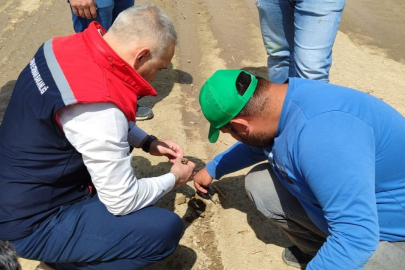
(143, 113)
(43, 266)
(295, 257)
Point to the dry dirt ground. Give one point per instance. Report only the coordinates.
(213, 34)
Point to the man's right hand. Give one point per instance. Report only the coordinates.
(84, 8)
(202, 179)
(182, 172)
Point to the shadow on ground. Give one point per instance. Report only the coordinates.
(183, 258)
(233, 188)
(164, 83)
(143, 168)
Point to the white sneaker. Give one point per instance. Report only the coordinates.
(143, 113)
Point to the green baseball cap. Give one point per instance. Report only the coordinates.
(220, 101)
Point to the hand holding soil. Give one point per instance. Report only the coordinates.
(182, 172)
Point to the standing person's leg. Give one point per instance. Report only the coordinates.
(316, 26)
(121, 5)
(277, 27)
(104, 16)
(388, 256)
(275, 202)
(85, 235)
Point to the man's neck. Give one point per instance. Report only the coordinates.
(277, 94)
(120, 50)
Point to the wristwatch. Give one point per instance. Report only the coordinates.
(147, 143)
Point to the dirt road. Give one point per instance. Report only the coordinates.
(214, 34)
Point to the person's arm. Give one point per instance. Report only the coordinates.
(136, 135)
(137, 138)
(84, 8)
(337, 159)
(237, 157)
(99, 131)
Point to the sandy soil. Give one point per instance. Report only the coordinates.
(229, 234)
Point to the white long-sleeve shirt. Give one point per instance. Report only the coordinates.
(99, 131)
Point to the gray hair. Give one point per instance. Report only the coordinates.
(144, 22)
(8, 257)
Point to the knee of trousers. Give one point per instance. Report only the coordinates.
(260, 189)
(166, 237)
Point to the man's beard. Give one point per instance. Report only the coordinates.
(260, 139)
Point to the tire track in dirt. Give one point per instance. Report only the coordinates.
(28, 25)
(212, 35)
(20, 16)
(227, 38)
(198, 246)
(199, 55)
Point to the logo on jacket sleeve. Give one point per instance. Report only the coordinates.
(37, 77)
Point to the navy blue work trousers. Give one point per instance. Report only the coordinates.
(85, 235)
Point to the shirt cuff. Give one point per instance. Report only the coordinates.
(170, 180)
(211, 169)
(136, 136)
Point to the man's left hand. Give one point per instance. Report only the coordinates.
(167, 148)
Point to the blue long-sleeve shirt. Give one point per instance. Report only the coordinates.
(341, 152)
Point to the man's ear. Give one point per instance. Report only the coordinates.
(241, 125)
(141, 57)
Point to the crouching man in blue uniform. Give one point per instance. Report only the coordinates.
(335, 177)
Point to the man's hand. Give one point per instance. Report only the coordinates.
(169, 149)
(182, 172)
(202, 179)
(84, 8)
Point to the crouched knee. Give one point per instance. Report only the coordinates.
(166, 236)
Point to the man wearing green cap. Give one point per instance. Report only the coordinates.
(335, 177)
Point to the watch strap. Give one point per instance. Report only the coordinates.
(148, 142)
